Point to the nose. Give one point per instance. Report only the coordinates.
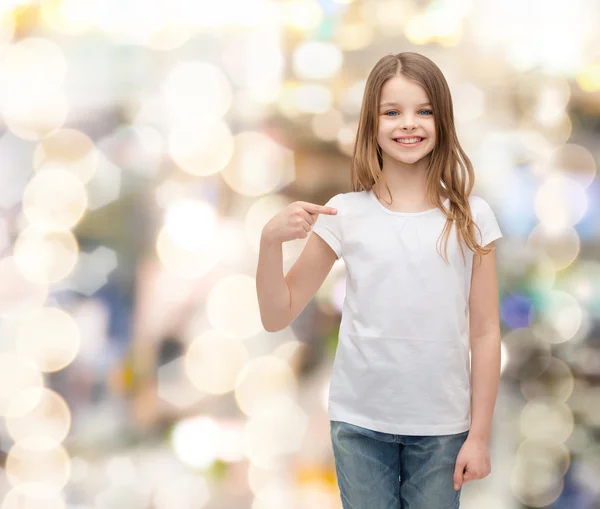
(409, 124)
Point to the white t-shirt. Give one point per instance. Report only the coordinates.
(402, 361)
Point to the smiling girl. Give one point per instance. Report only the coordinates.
(417, 366)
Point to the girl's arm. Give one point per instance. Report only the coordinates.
(281, 299)
(485, 344)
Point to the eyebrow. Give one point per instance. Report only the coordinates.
(392, 103)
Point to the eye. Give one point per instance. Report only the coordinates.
(428, 111)
(391, 112)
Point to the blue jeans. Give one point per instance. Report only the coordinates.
(378, 470)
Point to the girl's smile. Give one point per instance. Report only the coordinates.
(411, 142)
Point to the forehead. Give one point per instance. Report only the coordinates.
(400, 89)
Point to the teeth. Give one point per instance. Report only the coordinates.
(409, 140)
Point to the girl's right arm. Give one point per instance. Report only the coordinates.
(281, 299)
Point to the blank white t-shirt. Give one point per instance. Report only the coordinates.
(402, 361)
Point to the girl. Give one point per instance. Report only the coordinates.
(410, 409)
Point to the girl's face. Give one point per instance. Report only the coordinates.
(405, 117)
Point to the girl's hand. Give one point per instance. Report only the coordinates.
(472, 462)
(295, 221)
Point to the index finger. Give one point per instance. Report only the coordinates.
(320, 209)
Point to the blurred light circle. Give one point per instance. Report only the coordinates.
(536, 484)
(168, 37)
(31, 69)
(39, 466)
(418, 29)
(550, 107)
(541, 454)
(557, 133)
(541, 275)
(202, 149)
(191, 224)
(49, 337)
(275, 432)
(576, 162)
(286, 100)
(563, 314)
(31, 99)
(45, 257)
(18, 295)
(546, 419)
(38, 413)
(583, 282)
(301, 14)
(560, 202)
(560, 246)
(259, 165)
(36, 117)
(308, 98)
(197, 90)
(213, 363)
(7, 26)
(315, 60)
(263, 383)
(69, 150)
(589, 78)
(17, 375)
(327, 125)
(17, 498)
(54, 200)
(247, 107)
(182, 262)
(353, 36)
(232, 307)
(196, 441)
(555, 382)
(68, 16)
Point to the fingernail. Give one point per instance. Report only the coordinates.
(455, 486)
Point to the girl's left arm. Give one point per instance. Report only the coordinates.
(484, 328)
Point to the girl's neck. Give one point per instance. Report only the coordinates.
(408, 186)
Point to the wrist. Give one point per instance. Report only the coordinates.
(480, 438)
(267, 237)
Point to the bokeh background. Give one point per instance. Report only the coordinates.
(144, 145)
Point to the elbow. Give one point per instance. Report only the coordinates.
(271, 327)
(268, 325)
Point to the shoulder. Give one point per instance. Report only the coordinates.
(479, 206)
(349, 201)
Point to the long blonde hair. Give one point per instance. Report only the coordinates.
(449, 173)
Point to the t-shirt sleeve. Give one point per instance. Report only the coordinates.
(486, 220)
(329, 227)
